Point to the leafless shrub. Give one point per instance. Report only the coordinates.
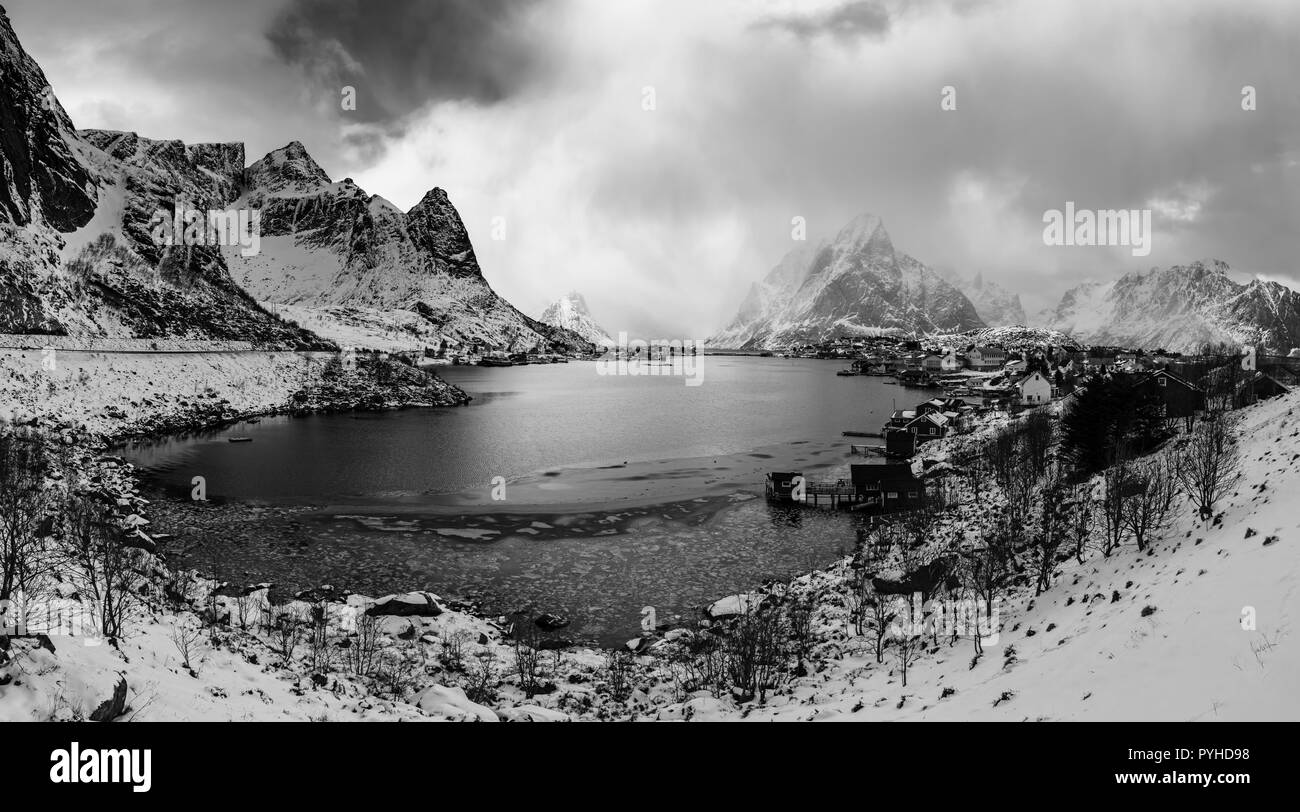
(756, 652)
(619, 667)
(454, 649)
(364, 651)
(482, 677)
(1149, 508)
(104, 565)
(286, 633)
(399, 671)
(185, 636)
(528, 657)
(1207, 464)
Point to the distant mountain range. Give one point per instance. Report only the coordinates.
(996, 306)
(1179, 308)
(570, 312)
(854, 284)
(80, 254)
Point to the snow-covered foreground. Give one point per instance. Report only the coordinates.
(1199, 627)
(1151, 636)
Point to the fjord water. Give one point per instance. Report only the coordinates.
(620, 491)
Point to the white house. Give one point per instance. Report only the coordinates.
(1034, 389)
(950, 362)
(986, 358)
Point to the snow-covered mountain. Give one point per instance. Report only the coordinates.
(348, 263)
(1180, 308)
(997, 306)
(571, 313)
(77, 256)
(854, 284)
(81, 254)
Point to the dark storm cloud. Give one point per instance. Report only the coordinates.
(864, 18)
(401, 55)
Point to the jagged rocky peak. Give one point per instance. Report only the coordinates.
(172, 157)
(435, 226)
(287, 169)
(40, 178)
(1180, 308)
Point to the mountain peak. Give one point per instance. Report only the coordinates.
(289, 168)
(866, 235)
(570, 312)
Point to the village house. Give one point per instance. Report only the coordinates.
(932, 364)
(1181, 398)
(929, 426)
(893, 484)
(1033, 389)
(899, 419)
(951, 362)
(985, 359)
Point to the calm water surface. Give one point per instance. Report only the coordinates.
(621, 492)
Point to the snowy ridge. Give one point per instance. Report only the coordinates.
(1180, 308)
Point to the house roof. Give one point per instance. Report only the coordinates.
(937, 418)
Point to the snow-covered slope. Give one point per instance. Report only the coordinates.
(1155, 636)
(344, 259)
(571, 313)
(1180, 308)
(854, 284)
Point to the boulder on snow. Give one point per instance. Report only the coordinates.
(733, 605)
(410, 604)
(451, 703)
(532, 713)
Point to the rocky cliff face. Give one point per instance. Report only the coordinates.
(80, 213)
(854, 284)
(40, 179)
(1180, 308)
(353, 265)
(77, 208)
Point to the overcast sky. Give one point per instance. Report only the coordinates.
(534, 111)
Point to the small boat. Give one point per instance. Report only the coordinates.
(846, 373)
(239, 439)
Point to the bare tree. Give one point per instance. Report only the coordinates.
(1119, 485)
(756, 651)
(528, 657)
(881, 612)
(1080, 517)
(103, 564)
(24, 554)
(363, 653)
(1149, 508)
(1037, 436)
(907, 647)
(1052, 532)
(1207, 464)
